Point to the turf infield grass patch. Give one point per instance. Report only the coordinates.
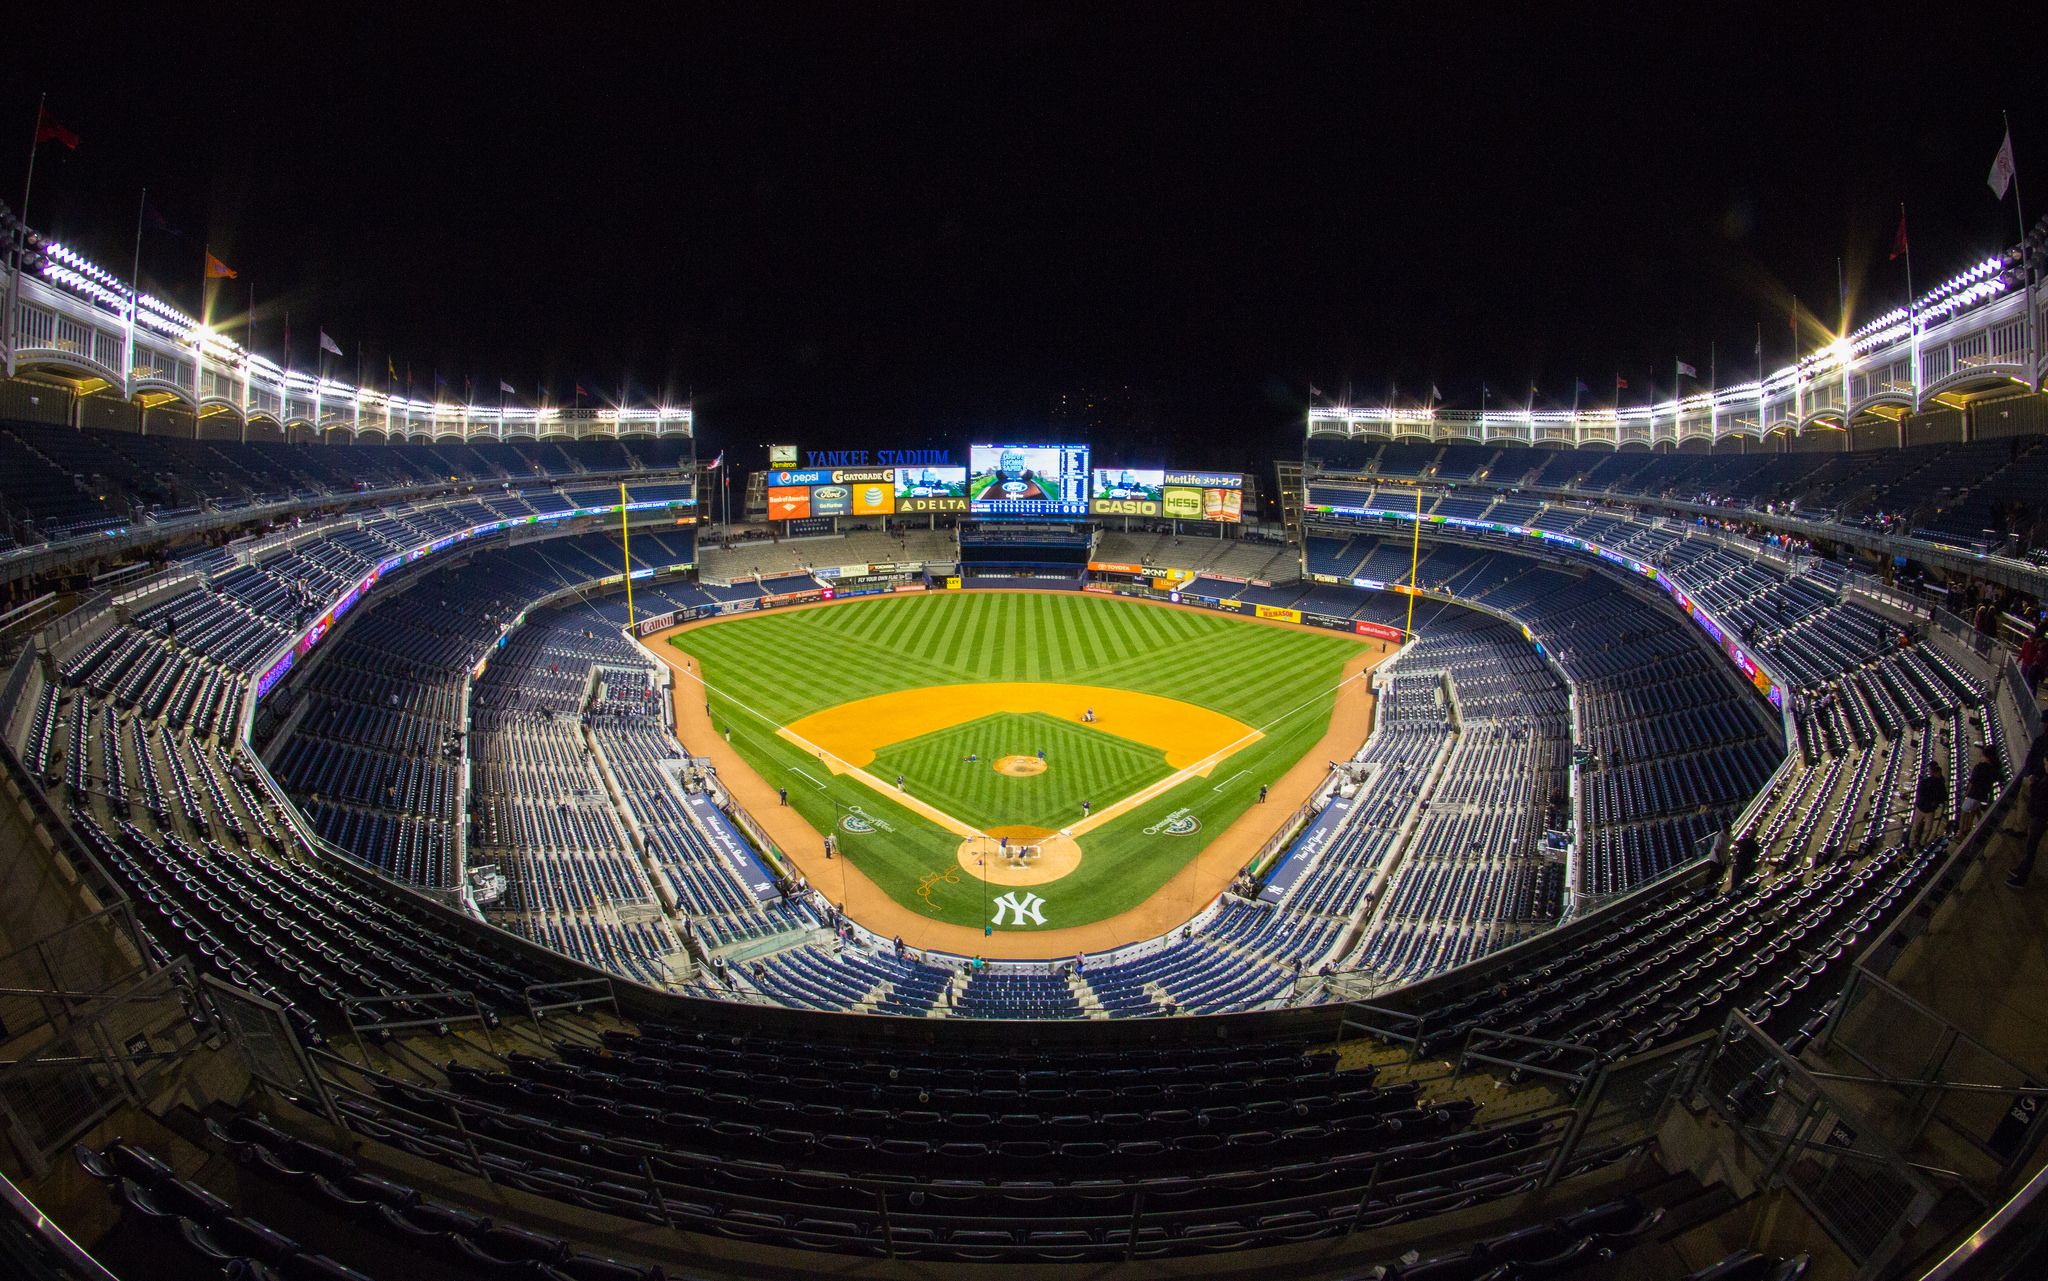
(1081, 764)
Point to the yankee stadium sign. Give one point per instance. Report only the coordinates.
(879, 458)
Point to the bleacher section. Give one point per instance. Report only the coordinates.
(1978, 493)
(582, 798)
(60, 483)
(1473, 874)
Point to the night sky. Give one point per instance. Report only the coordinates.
(887, 225)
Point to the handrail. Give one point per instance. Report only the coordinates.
(1980, 1251)
(81, 1265)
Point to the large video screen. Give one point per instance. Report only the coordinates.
(1028, 480)
(931, 489)
(1127, 491)
(1175, 495)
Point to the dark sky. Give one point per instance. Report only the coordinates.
(869, 224)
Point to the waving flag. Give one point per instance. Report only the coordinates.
(2001, 166)
(328, 344)
(155, 218)
(216, 269)
(48, 130)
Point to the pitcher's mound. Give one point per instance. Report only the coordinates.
(1036, 855)
(1019, 766)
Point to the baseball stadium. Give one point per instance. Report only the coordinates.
(490, 836)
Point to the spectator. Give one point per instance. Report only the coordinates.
(1747, 851)
(1978, 791)
(2036, 807)
(1717, 864)
(1930, 799)
(2034, 657)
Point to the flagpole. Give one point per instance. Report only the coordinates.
(248, 354)
(1414, 560)
(2019, 207)
(626, 550)
(35, 138)
(1713, 393)
(1912, 318)
(134, 300)
(1798, 408)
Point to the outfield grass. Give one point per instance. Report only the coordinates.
(1081, 765)
(768, 670)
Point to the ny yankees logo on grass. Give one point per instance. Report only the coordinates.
(858, 820)
(1182, 822)
(1020, 910)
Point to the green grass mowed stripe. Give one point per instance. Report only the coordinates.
(789, 665)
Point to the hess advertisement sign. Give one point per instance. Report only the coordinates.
(1175, 495)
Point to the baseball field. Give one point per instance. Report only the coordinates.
(1027, 761)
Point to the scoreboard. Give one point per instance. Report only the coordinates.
(1028, 480)
(1001, 480)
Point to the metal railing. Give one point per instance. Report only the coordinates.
(49, 981)
(1570, 1065)
(439, 1012)
(575, 996)
(1997, 1246)
(1933, 1074)
(69, 1259)
(1624, 1104)
(689, 1191)
(1395, 1027)
(1852, 1182)
(107, 1058)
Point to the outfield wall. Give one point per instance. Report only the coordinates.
(1139, 588)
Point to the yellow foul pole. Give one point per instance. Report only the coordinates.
(626, 550)
(1414, 559)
